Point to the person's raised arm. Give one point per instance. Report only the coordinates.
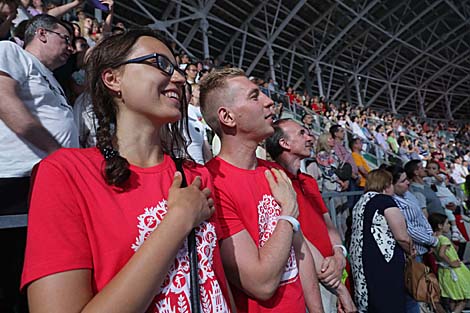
(135, 285)
(19, 119)
(62, 9)
(108, 22)
(258, 270)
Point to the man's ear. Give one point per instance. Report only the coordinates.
(112, 79)
(41, 34)
(284, 144)
(226, 117)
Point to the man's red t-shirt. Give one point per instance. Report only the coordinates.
(311, 210)
(77, 221)
(244, 201)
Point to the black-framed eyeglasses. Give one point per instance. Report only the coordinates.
(160, 61)
(66, 38)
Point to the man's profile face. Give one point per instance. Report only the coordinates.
(252, 110)
(308, 119)
(191, 72)
(58, 45)
(298, 138)
(339, 133)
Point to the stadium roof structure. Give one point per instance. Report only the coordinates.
(399, 55)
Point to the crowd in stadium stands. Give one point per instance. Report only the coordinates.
(366, 187)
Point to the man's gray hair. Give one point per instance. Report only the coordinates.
(42, 21)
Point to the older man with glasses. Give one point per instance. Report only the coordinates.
(35, 120)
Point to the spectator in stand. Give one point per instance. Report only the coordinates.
(191, 73)
(438, 157)
(459, 173)
(363, 168)
(392, 141)
(344, 156)
(417, 225)
(315, 105)
(355, 128)
(184, 60)
(324, 172)
(257, 205)
(198, 147)
(449, 201)
(379, 240)
(427, 198)
(291, 96)
(129, 264)
(403, 151)
(288, 146)
(381, 138)
(307, 121)
(35, 120)
(454, 276)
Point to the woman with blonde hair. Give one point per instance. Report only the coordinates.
(328, 181)
(379, 240)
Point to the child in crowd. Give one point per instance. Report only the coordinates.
(449, 201)
(454, 276)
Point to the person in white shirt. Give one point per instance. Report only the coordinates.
(35, 120)
(198, 148)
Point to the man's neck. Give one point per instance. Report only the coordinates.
(418, 180)
(239, 154)
(289, 162)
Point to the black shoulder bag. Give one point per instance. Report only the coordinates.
(192, 251)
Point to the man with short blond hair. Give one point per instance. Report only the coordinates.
(264, 253)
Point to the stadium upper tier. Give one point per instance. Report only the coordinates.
(403, 55)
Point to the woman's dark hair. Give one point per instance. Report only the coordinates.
(111, 53)
(436, 219)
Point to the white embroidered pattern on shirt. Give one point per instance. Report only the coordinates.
(173, 296)
(268, 211)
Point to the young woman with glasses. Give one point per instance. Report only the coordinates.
(108, 225)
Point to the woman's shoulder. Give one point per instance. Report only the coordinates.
(384, 200)
(73, 156)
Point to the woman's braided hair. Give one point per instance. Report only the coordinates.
(111, 53)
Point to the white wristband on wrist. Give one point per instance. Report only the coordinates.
(292, 220)
(343, 249)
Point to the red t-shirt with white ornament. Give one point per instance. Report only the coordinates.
(77, 221)
(244, 201)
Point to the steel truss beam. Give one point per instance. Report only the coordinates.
(274, 36)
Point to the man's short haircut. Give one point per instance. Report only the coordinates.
(186, 68)
(378, 127)
(400, 140)
(334, 129)
(396, 172)
(43, 21)
(272, 143)
(211, 95)
(304, 116)
(411, 167)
